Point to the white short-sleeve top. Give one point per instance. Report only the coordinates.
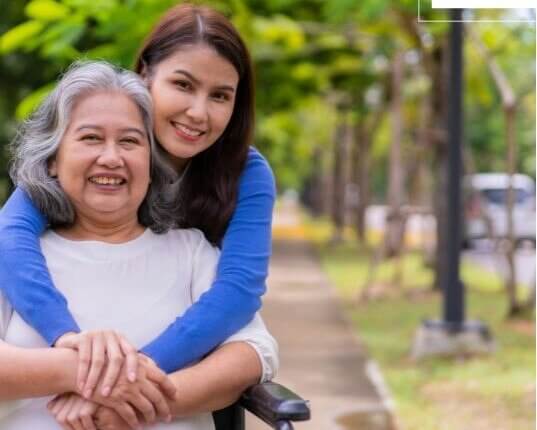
(136, 288)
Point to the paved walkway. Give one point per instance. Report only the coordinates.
(321, 358)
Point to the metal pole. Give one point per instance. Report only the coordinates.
(454, 289)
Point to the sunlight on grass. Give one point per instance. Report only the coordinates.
(492, 392)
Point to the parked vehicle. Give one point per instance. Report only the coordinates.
(485, 207)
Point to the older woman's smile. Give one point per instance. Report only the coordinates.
(107, 180)
(103, 160)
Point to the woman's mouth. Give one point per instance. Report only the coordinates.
(187, 133)
(107, 180)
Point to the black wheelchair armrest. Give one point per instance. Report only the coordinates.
(274, 403)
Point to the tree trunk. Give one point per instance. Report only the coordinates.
(418, 181)
(361, 177)
(394, 221)
(509, 103)
(436, 67)
(312, 194)
(510, 282)
(438, 74)
(338, 185)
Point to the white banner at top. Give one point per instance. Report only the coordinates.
(484, 4)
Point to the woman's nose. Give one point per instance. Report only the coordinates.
(111, 155)
(197, 110)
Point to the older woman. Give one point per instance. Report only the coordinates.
(85, 159)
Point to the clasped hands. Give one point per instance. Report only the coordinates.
(116, 386)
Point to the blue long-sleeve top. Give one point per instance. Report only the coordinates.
(229, 304)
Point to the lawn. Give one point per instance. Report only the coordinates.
(495, 392)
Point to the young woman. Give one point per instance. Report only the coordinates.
(200, 77)
(85, 159)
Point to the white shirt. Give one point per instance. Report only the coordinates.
(136, 288)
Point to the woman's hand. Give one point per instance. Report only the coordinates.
(108, 419)
(97, 349)
(73, 412)
(149, 394)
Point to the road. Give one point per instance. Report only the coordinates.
(495, 262)
(421, 230)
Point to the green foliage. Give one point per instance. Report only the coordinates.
(17, 37)
(46, 10)
(314, 60)
(29, 103)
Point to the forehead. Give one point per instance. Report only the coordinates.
(106, 109)
(203, 62)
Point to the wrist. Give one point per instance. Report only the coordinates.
(67, 360)
(142, 355)
(64, 337)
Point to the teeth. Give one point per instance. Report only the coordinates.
(104, 180)
(189, 131)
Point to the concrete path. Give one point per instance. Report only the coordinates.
(322, 360)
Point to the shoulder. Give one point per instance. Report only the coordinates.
(191, 240)
(185, 235)
(257, 164)
(257, 172)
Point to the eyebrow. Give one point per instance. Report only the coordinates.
(230, 88)
(96, 127)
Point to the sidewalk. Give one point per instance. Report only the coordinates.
(321, 358)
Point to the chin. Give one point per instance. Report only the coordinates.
(183, 154)
(107, 207)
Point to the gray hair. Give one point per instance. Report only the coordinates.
(39, 138)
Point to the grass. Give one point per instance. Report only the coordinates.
(490, 392)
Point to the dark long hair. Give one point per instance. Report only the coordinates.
(210, 186)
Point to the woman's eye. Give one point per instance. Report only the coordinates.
(221, 97)
(91, 138)
(183, 85)
(129, 141)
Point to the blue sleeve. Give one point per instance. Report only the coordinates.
(24, 276)
(235, 295)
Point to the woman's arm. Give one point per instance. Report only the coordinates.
(24, 276)
(214, 383)
(217, 381)
(231, 302)
(27, 285)
(36, 372)
(236, 292)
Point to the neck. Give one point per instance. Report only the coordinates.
(179, 164)
(118, 231)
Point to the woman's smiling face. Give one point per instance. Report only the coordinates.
(193, 93)
(103, 161)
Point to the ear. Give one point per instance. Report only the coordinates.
(144, 74)
(53, 168)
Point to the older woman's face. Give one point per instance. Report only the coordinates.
(103, 161)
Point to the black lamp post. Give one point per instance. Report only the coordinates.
(453, 335)
(453, 288)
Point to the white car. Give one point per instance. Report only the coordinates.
(485, 207)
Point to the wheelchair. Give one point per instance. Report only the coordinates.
(273, 403)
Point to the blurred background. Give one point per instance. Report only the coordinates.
(351, 114)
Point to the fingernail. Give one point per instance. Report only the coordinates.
(81, 386)
(106, 391)
(132, 376)
(168, 418)
(87, 393)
